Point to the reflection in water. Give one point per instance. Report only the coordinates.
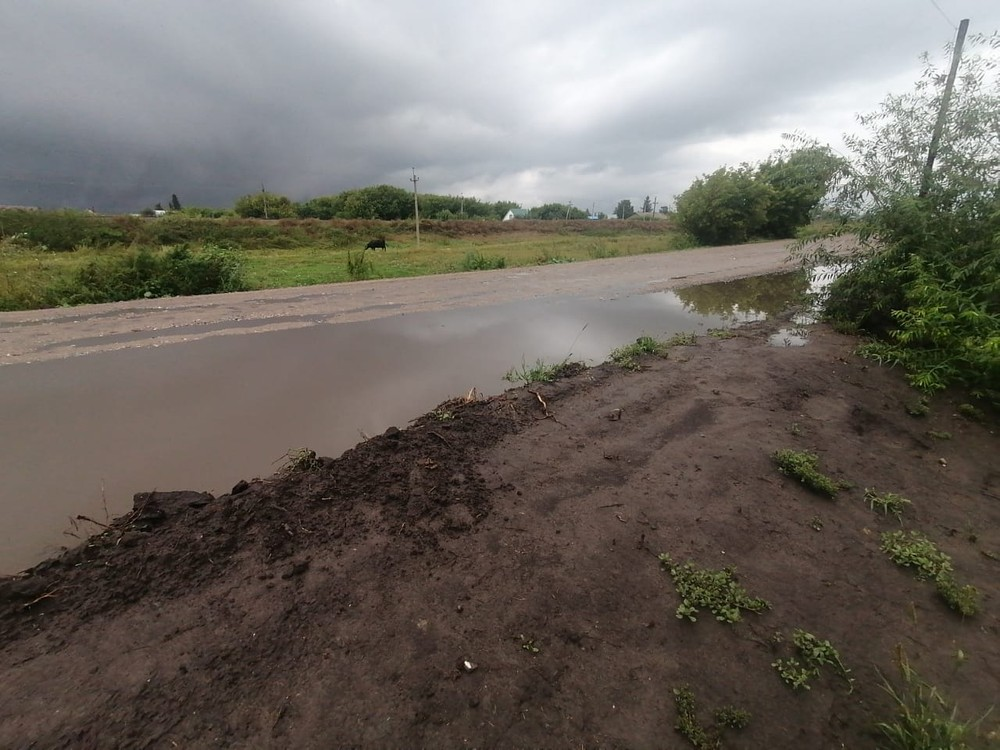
(82, 434)
(745, 300)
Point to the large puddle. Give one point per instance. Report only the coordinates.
(82, 435)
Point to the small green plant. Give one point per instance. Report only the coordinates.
(721, 333)
(970, 412)
(919, 408)
(925, 719)
(801, 465)
(480, 262)
(816, 523)
(359, 267)
(298, 459)
(682, 339)
(886, 502)
(937, 435)
(628, 356)
(795, 429)
(914, 550)
(714, 590)
(540, 372)
(443, 415)
(812, 655)
(529, 645)
(701, 737)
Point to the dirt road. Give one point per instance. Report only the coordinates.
(39, 335)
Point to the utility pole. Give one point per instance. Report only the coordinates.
(654, 207)
(416, 204)
(569, 207)
(956, 57)
(263, 195)
(462, 212)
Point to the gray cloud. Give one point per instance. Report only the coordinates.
(118, 104)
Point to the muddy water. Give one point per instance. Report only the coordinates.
(80, 435)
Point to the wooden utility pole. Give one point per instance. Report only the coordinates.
(416, 204)
(956, 58)
(263, 195)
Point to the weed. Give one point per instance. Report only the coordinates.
(919, 408)
(600, 250)
(540, 372)
(814, 655)
(359, 267)
(939, 435)
(298, 459)
(732, 717)
(628, 356)
(682, 339)
(547, 257)
(721, 333)
(442, 415)
(925, 720)
(886, 502)
(529, 645)
(795, 429)
(801, 465)
(914, 550)
(816, 523)
(970, 412)
(714, 590)
(480, 262)
(705, 738)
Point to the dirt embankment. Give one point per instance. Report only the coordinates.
(489, 576)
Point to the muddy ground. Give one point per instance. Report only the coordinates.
(488, 576)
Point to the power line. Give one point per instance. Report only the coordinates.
(945, 17)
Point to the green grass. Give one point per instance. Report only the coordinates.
(924, 719)
(628, 356)
(540, 372)
(801, 465)
(886, 502)
(292, 253)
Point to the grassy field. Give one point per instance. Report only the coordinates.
(291, 253)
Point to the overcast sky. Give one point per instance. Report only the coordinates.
(117, 104)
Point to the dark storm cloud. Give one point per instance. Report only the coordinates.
(119, 104)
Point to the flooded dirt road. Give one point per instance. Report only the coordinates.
(201, 392)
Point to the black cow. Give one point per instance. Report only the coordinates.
(375, 245)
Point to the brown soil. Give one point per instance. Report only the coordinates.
(336, 603)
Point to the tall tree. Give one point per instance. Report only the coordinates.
(175, 205)
(647, 205)
(624, 209)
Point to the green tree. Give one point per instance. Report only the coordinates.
(624, 209)
(728, 206)
(264, 205)
(647, 205)
(927, 277)
(175, 205)
(384, 202)
(799, 180)
(557, 211)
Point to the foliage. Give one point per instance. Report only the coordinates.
(925, 720)
(628, 356)
(688, 725)
(772, 199)
(886, 502)
(801, 465)
(624, 209)
(359, 267)
(480, 262)
(714, 590)
(914, 550)
(812, 655)
(264, 205)
(540, 372)
(142, 272)
(557, 211)
(927, 278)
(726, 207)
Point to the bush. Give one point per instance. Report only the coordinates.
(927, 282)
(480, 262)
(141, 272)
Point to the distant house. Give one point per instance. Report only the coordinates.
(517, 213)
